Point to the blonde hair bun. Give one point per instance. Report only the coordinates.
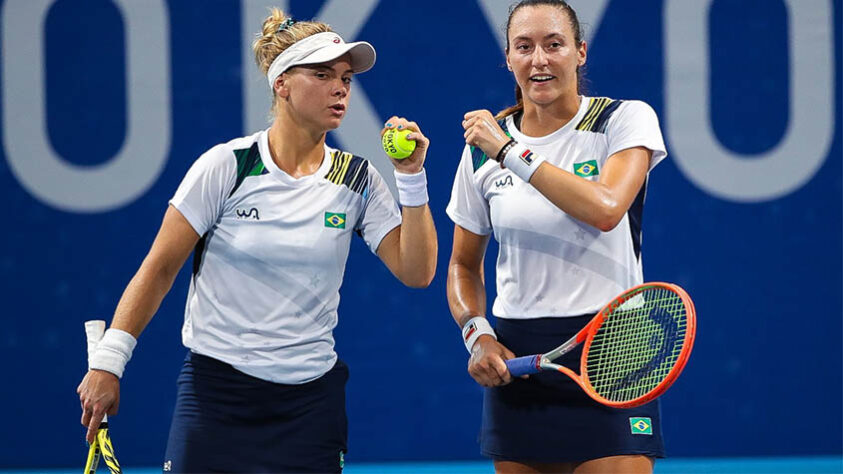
(278, 33)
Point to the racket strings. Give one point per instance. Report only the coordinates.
(635, 363)
(647, 361)
(624, 339)
(653, 361)
(637, 345)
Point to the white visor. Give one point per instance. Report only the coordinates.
(322, 48)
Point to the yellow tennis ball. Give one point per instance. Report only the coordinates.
(396, 145)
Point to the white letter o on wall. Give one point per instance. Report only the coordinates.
(810, 129)
(32, 159)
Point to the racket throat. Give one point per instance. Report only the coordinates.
(543, 363)
(563, 349)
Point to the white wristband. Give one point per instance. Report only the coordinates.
(474, 328)
(412, 188)
(522, 162)
(113, 352)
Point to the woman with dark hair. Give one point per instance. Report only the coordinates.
(560, 180)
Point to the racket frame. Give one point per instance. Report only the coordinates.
(586, 335)
(94, 454)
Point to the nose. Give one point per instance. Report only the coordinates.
(340, 89)
(539, 58)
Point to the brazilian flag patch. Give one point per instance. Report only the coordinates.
(335, 220)
(641, 425)
(586, 168)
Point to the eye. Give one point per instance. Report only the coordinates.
(522, 47)
(346, 80)
(555, 45)
(321, 75)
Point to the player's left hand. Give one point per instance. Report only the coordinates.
(483, 131)
(413, 163)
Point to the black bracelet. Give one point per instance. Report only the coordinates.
(504, 150)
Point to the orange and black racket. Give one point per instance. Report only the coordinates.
(634, 348)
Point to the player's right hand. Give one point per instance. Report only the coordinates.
(487, 365)
(413, 163)
(99, 394)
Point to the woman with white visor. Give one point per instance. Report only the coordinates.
(270, 217)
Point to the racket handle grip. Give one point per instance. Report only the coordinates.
(524, 365)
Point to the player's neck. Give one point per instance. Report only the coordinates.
(296, 150)
(540, 120)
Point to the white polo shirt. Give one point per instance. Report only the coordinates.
(550, 264)
(267, 271)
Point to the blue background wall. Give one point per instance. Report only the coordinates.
(764, 267)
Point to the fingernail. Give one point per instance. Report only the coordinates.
(388, 124)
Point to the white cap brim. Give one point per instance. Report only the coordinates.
(362, 55)
(322, 48)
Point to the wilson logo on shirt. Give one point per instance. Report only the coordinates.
(335, 220)
(504, 183)
(586, 168)
(248, 214)
(641, 425)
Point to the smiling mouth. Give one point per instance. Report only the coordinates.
(542, 78)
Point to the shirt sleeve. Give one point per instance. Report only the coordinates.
(636, 124)
(380, 211)
(201, 195)
(468, 208)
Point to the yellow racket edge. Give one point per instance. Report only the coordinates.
(108, 451)
(93, 457)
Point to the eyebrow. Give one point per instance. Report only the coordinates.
(548, 36)
(322, 67)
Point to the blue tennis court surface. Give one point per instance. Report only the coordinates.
(794, 465)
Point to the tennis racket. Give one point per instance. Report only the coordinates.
(101, 447)
(634, 348)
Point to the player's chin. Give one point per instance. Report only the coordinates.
(333, 122)
(543, 96)
(334, 118)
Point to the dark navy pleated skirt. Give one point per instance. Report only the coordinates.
(548, 417)
(227, 421)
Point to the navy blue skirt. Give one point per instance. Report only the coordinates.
(227, 421)
(548, 417)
